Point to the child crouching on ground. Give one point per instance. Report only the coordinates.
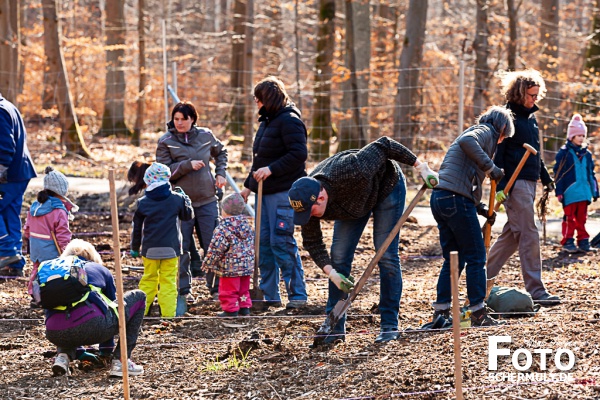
(231, 256)
(47, 224)
(576, 185)
(158, 214)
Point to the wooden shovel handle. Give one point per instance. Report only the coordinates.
(257, 216)
(529, 150)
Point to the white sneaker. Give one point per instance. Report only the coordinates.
(61, 365)
(132, 368)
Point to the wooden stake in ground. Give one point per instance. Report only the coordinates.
(256, 293)
(119, 282)
(456, 325)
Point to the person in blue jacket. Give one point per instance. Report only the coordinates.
(576, 185)
(16, 169)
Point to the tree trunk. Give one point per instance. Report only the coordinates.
(512, 33)
(15, 21)
(354, 130)
(274, 39)
(480, 45)
(592, 65)
(8, 57)
(548, 65)
(113, 118)
(71, 136)
(248, 84)
(322, 129)
(411, 59)
(238, 109)
(141, 97)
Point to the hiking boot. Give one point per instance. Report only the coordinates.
(547, 300)
(10, 271)
(227, 314)
(7, 260)
(482, 318)
(244, 312)
(61, 365)
(293, 304)
(584, 245)
(387, 335)
(569, 246)
(116, 370)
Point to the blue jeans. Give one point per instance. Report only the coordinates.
(346, 235)
(205, 221)
(279, 250)
(459, 231)
(10, 225)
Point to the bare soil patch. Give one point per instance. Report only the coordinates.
(198, 356)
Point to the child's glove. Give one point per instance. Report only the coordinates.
(560, 198)
(134, 254)
(430, 177)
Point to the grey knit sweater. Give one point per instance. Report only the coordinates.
(355, 181)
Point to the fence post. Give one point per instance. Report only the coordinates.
(165, 77)
(461, 97)
(456, 325)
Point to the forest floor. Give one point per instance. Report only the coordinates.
(198, 356)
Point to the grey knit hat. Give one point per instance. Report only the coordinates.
(233, 204)
(55, 181)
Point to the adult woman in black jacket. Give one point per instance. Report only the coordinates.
(279, 156)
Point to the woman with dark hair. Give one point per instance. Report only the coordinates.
(187, 149)
(521, 90)
(280, 154)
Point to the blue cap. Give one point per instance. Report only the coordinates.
(302, 195)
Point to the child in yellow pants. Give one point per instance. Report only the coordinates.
(156, 229)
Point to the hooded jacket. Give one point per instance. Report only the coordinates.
(177, 150)
(280, 144)
(44, 219)
(14, 153)
(570, 159)
(157, 215)
(467, 160)
(231, 250)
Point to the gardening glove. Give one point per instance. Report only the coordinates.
(339, 280)
(3, 174)
(483, 210)
(496, 174)
(430, 177)
(501, 196)
(550, 187)
(134, 254)
(560, 198)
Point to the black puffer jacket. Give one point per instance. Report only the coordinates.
(280, 144)
(511, 150)
(467, 160)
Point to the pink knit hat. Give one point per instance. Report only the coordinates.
(576, 127)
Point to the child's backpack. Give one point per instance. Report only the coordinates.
(61, 283)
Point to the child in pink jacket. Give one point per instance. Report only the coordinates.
(47, 226)
(231, 256)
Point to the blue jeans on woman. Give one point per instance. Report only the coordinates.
(459, 231)
(346, 235)
(279, 250)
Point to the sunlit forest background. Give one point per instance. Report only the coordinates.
(418, 70)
